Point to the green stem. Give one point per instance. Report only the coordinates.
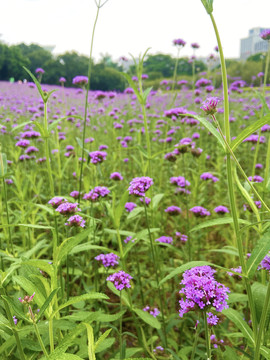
(230, 178)
(175, 69)
(47, 152)
(40, 341)
(262, 323)
(207, 338)
(9, 240)
(121, 330)
(12, 325)
(86, 96)
(157, 276)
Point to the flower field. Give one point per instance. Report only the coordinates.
(135, 225)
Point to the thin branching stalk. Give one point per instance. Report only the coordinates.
(230, 179)
(99, 5)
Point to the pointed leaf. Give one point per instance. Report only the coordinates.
(215, 222)
(120, 208)
(102, 338)
(147, 318)
(237, 319)
(36, 82)
(46, 303)
(210, 127)
(249, 131)
(91, 343)
(259, 252)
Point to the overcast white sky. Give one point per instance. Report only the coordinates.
(130, 26)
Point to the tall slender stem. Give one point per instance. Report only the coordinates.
(9, 241)
(207, 338)
(86, 96)
(262, 323)
(230, 177)
(121, 330)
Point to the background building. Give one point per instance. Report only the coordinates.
(253, 44)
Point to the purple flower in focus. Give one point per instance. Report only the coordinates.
(139, 185)
(110, 259)
(120, 280)
(202, 291)
(75, 220)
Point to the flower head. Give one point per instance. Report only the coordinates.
(173, 210)
(179, 42)
(209, 106)
(80, 80)
(139, 185)
(67, 208)
(116, 176)
(165, 240)
(97, 156)
(200, 211)
(39, 71)
(221, 209)
(202, 291)
(56, 201)
(98, 191)
(129, 206)
(121, 280)
(110, 259)
(75, 220)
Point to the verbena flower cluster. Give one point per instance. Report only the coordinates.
(96, 193)
(201, 291)
(139, 185)
(110, 259)
(121, 280)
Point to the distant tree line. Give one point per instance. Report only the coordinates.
(106, 74)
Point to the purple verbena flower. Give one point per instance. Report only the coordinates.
(202, 291)
(110, 259)
(173, 210)
(165, 240)
(80, 80)
(98, 191)
(200, 211)
(152, 311)
(75, 220)
(121, 280)
(56, 201)
(129, 206)
(265, 34)
(97, 156)
(256, 178)
(212, 319)
(209, 106)
(67, 208)
(182, 237)
(116, 176)
(221, 209)
(139, 185)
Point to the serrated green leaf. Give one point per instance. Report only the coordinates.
(110, 318)
(91, 343)
(21, 125)
(259, 292)
(102, 338)
(3, 164)
(215, 222)
(43, 131)
(134, 86)
(135, 212)
(30, 288)
(120, 208)
(249, 131)
(70, 243)
(124, 296)
(237, 319)
(41, 92)
(259, 252)
(147, 318)
(40, 264)
(156, 200)
(16, 308)
(146, 93)
(107, 343)
(46, 303)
